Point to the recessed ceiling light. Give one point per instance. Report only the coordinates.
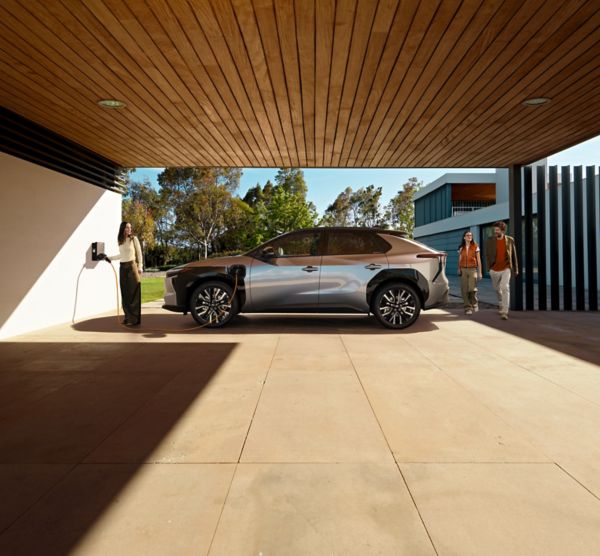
(111, 103)
(536, 101)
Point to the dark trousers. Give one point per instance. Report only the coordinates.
(131, 292)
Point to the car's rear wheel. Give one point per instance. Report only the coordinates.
(212, 304)
(396, 305)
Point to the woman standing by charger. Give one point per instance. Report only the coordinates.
(130, 255)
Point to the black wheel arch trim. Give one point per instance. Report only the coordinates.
(409, 275)
(186, 281)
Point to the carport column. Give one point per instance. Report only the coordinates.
(515, 215)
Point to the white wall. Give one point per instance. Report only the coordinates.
(47, 224)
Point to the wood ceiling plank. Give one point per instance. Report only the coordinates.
(565, 68)
(304, 14)
(531, 40)
(487, 47)
(365, 16)
(22, 79)
(378, 40)
(190, 70)
(526, 124)
(525, 144)
(382, 119)
(102, 69)
(574, 129)
(519, 134)
(19, 101)
(233, 40)
(265, 20)
(305, 83)
(385, 71)
(114, 68)
(543, 119)
(66, 79)
(217, 60)
(465, 76)
(345, 16)
(325, 25)
(124, 26)
(446, 22)
(39, 116)
(251, 34)
(576, 133)
(288, 44)
(208, 72)
(458, 40)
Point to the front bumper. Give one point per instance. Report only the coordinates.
(171, 303)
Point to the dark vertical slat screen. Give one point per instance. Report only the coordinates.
(566, 237)
(516, 220)
(554, 273)
(578, 237)
(528, 236)
(541, 238)
(592, 235)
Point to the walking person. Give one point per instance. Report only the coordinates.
(130, 255)
(470, 271)
(501, 260)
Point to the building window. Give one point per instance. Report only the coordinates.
(464, 207)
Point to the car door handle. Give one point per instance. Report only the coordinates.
(373, 266)
(310, 268)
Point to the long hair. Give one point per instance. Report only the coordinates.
(121, 236)
(463, 243)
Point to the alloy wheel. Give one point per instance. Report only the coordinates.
(397, 306)
(212, 305)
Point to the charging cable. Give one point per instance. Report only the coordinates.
(165, 329)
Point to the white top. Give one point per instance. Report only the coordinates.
(130, 250)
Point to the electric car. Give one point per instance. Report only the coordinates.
(318, 270)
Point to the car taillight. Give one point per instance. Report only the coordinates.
(431, 255)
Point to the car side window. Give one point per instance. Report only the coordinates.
(302, 244)
(352, 242)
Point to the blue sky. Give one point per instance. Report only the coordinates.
(325, 184)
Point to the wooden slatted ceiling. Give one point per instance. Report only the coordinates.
(326, 83)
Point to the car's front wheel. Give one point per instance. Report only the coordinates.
(396, 305)
(212, 304)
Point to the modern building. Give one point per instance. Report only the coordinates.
(456, 202)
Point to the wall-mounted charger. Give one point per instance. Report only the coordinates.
(97, 247)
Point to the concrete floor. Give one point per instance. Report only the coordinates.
(303, 435)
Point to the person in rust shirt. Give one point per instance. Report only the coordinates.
(501, 259)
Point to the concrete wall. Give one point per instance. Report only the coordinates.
(47, 223)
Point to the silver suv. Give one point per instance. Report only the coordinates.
(328, 270)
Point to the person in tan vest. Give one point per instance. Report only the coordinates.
(469, 270)
(501, 260)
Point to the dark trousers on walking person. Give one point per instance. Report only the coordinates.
(468, 288)
(131, 292)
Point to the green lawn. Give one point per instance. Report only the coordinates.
(152, 289)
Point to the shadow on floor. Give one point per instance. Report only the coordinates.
(571, 333)
(58, 403)
(160, 325)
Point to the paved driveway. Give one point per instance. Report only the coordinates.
(303, 435)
